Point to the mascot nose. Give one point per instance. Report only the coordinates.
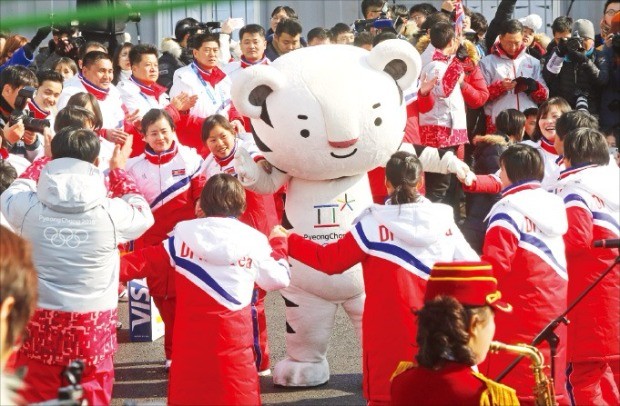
(343, 144)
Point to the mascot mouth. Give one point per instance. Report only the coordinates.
(343, 156)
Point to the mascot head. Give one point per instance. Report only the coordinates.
(329, 111)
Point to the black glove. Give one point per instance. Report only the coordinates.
(461, 53)
(527, 85)
(561, 49)
(578, 57)
(34, 43)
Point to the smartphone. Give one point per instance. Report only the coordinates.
(613, 151)
(237, 23)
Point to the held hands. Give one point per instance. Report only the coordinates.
(121, 153)
(527, 85)
(238, 126)
(134, 119)
(278, 232)
(247, 170)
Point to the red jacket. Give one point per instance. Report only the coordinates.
(171, 183)
(397, 255)
(591, 197)
(474, 87)
(452, 384)
(524, 244)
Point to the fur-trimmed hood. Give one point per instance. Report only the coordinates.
(542, 39)
(425, 39)
(493, 139)
(171, 46)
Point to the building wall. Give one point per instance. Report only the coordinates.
(312, 13)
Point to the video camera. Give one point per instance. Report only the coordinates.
(20, 112)
(380, 23)
(72, 394)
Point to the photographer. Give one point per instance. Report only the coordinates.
(576, 71)
(64, 43)
(19, 138)
(610, 98)
(25, 55)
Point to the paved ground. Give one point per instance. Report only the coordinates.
(140, 378)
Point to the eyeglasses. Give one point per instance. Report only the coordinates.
(611, 12)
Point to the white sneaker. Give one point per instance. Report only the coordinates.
(167, 365)
(265, 372)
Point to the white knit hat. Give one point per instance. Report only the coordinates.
(533, 22)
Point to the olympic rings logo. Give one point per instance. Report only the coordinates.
(65, 237)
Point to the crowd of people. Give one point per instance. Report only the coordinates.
(118, 164)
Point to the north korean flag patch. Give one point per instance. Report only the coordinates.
(178, 172)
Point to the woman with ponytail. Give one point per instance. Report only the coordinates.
(455, 329)
(397, 245)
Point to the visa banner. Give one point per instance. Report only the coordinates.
(145, 323)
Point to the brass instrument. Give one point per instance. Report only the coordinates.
(544, 391)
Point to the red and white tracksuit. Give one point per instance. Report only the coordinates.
(591, 197)
(524, 244)
(171, 182)
(397, 247)
(217, 262)
(260, 214)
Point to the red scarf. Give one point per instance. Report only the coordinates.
(154, 90)
(99, 93)
(39, 113)
(213, 78)
(159, 158)
(223, 162)
(439, 56)
(246, 64)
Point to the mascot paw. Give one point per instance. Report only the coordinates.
(470, 178)
(245, 167)
(305, 374)
(459, 168)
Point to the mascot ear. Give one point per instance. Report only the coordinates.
(251, 87)
(399, 59)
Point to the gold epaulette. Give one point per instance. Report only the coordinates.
(496, 394)
(402, 367)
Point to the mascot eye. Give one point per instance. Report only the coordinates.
(378, 121)
(304, 133)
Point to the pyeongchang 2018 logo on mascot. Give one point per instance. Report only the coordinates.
(65, 237)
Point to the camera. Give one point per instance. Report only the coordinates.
(575, 43)
(380, 23)
(73, 393)
(19, 112)
(581, 103)
(209, 26)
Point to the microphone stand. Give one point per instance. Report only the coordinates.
(548, 333)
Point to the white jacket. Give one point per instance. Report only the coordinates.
(134, 99)
(111, 107)
(497, 66)
(75, 230)
(210, 100)
(224, 257)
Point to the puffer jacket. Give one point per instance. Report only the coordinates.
(570, 80)
(496, 66)
(487, 151)
(75, 230)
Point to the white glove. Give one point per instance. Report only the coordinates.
(470, 178)
(247, 170)
(458, 167)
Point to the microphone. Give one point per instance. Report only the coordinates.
(607, 243)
